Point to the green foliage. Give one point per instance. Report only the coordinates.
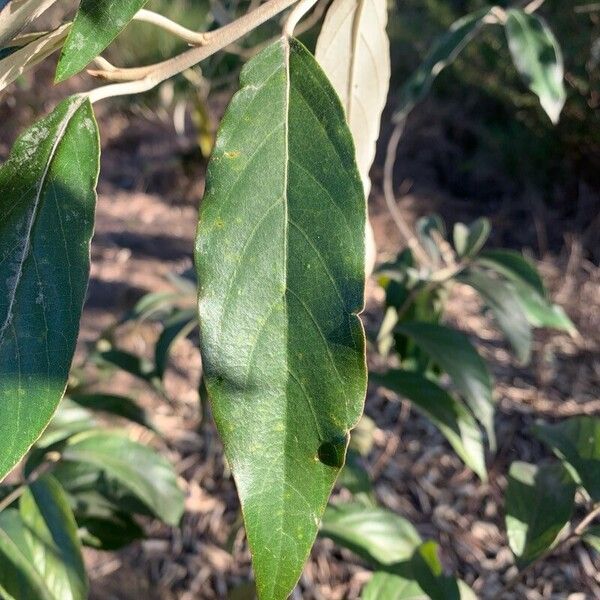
(96, 25)
(539, 503)
(285, 297)
(577, 442)
(47, 192)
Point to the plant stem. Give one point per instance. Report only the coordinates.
(45, 467)
(193, 38)
(576, 532)
(142, 79)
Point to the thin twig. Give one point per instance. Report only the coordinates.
(137, 80)
(390, 198)
(45, 467)
(297, 13)
(193, 38)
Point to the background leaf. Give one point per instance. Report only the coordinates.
(454, 353)
(52, 537)
(376, 534)
(448, 414)
(96, 25)
(283, 286)
(577, 441)
(389, 586)
(539, 502)
(16, 15)
(538, 59)
(47, 202)
(144, 472)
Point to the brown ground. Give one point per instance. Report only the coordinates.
(147, 208)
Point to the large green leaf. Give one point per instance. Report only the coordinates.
(96, 25)
(539, 503)
(454, 353)
(577, 441)
(52, 538)
(376, 534)
(538, 58)
(139, 469)
(47, 201)
(446, 412)
(280, 260)
(444, 52)
(503, 301)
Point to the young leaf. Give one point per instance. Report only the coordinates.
(22, 59)
(280, 260)
(96, 25)
(390, 586)
(376, 534)
(16, 15)
(18, 577)
(444, 52)
(538, 59)
(52, 537)
(47, 202)
(354, 51)
(454, 353)
(577, 441)
(141, 470)
(448, 414)
(468, 240)
(539, 503)
(503, 301)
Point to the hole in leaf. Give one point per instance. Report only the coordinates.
(331, 453)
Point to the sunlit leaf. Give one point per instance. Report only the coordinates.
(280, 259)
(376, 534)
(538, 58)
(47, 202)
(389, 586)
(22, 59)
(539, 502)
(96, 25)
(17, 14)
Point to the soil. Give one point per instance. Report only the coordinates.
(151, 183)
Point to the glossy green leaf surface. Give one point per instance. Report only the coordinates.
(51, 533)
(139, 469)
(577, 441)
(454, 353)
(502, 299)
(538, 504)
(280, 261)
(444, 52)
(47, 202)
(447, 413)
(96, 25)
(538, 59)
(376, 534)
